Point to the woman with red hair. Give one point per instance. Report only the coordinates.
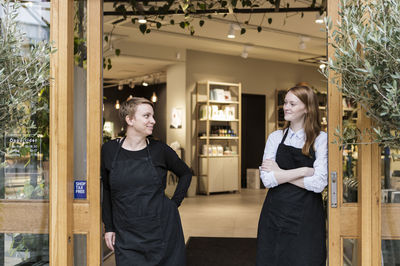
(291, 229)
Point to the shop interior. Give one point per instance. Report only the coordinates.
(218, 94)
(242, 77)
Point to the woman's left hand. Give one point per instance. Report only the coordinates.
(270, 165)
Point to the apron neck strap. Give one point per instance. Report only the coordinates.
(284, 136)
(120, 142)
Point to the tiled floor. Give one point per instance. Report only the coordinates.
(221, 215)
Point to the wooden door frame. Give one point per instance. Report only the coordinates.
(66, 216)
(361, 220)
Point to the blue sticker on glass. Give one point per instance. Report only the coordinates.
(79, 189)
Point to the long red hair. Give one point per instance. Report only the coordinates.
(312, 122)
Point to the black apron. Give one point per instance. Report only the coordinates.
(147, 224)
(291, 230)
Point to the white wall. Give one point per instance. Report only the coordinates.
(256, 76)
(176, 92)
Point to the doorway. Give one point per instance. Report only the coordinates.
(253, 133)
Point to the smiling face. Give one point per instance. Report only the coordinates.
(294, 109)
(142, 122)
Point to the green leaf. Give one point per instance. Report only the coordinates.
(172, 22)
(269, 20)
(209, 17)
(117, 52)
(242, 31)
(224, 3)
(109, 67)
(106, 38)
(143, 28)
(148, 31)
(246, 22)
(201, 23)
(259, 28)
(158, 25)
(182, 24)
(233, 3)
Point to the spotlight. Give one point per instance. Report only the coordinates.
(120, 86)
(142, 20)
(231, 32)
(319, 18)
(131, 84)
(302, 45)
(154, 97)
(144, 83)
(117, 105)
(322, 66)
(245, 52)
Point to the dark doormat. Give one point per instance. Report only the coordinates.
(221, 251)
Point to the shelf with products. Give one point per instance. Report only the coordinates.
(218, 107)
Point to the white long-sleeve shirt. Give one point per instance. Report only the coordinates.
(316, 182)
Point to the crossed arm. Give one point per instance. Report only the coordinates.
(313, 179)
(293, 176)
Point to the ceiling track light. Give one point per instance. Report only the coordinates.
(144, 83)
(319, 18)
(302, 43)
(142, 20)
(154, 97)
(120, 86)
(117, 105)
(131, 84)
(246, 49)
(232, 28)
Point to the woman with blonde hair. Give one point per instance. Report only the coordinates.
(142, 225)
(291, 229)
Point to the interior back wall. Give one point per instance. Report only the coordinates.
(257, 77)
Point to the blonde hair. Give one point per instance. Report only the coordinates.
(128, 108)
(312, 123)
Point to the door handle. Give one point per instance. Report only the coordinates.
(333, 189)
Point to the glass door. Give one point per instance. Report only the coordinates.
(363, 197)
(50, 132)
(24, 132)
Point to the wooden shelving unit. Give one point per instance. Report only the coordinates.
(218, 125)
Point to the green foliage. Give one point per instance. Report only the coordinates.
(159, 14)
(367, 63)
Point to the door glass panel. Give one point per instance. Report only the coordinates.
(80, 78)
(390, 175)
(24, 123)
(25, 249)
(390, 197)
(24, 104)
(350, 248)
(80, 247)
(350, 152)
(390, 252)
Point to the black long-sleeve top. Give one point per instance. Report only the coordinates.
(164, 159)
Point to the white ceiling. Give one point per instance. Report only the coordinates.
(278, 41)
